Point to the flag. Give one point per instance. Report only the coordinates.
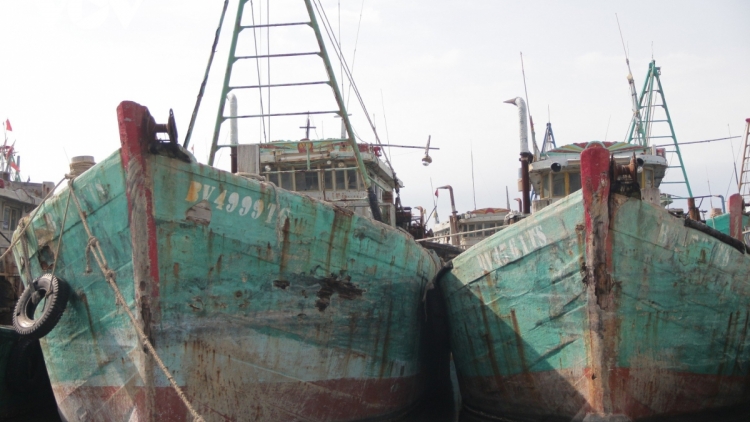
(14, 166)
(7, 126)
(436, 192)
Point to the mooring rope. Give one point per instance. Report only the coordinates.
(62, 230)
(96, 250)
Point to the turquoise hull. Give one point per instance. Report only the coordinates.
(535, 338)
(264, 304)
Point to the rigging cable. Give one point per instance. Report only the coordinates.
(734, 160)
(354, 55)
(339, 54)
(268, 62)
(257, 67)
(205, 77)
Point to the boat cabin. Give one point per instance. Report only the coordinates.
(323, 169)
(473, 226)
(558, 174)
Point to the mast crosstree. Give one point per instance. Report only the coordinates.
(650, 109)
(744, 185)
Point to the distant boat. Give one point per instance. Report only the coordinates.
(264, 300)
(602, 305)
(467, 229)
(25, 392)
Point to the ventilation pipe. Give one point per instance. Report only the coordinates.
(233, 133)
(526, 156)
(453, 219)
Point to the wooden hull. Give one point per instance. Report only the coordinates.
(600, 307)
(264, 304)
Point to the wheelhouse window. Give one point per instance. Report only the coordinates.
(574, 182)
(273, 177)
(328, 179)
(287, 182)
(558, 184)
(10, 218)
(306, 180)
(351, 179)
(340, 180)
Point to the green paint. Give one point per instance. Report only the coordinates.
(517, 305)
(280, 285)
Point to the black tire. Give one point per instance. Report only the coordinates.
(55, 292)
(25, 372)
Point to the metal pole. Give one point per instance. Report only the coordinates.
(692, 210)
(671, 128)
(454, 216)
(225, 86)
(525, 159)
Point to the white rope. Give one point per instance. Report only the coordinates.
(96, 250)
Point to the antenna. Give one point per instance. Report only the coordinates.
(307, 128)
(434, 203)
(633, 94)
(471, 148)
(734, 159)
(607, 131)
(528, 107)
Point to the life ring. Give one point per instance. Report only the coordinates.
(25, 371)
(54, 292)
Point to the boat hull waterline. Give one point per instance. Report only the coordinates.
(263, 303)
(600, 307)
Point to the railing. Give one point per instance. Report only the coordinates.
(448, 236)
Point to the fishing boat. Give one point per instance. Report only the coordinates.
(198, 293)
(601, 305)
(25, 392)
(468, 229)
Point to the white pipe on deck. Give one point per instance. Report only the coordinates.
(523, 125)
(233, 133)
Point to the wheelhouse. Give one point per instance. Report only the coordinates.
(323, 169)
(558, 174)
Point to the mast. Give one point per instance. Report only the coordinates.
(331, 82)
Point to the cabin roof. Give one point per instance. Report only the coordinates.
(483, 211)
(614, 147)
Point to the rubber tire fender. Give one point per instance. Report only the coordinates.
(25, 372)
(54, 292)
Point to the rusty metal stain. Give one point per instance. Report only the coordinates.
(340, 285)
(281, 284)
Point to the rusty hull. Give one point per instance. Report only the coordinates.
(264, 304)
(600, 308)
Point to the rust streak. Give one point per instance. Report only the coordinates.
(341, 285)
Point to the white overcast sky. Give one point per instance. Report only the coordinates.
(439, 68)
